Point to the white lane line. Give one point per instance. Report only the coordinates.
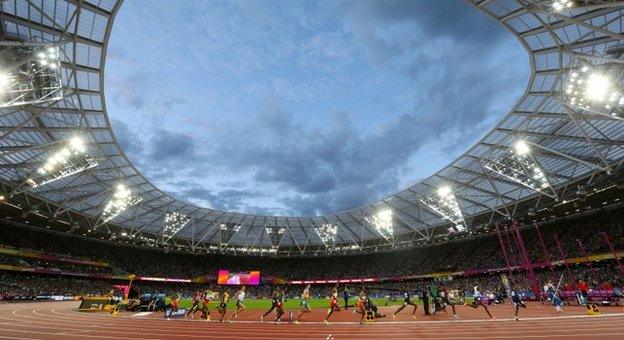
(286, 332)
(13, 337)
(515, 333)
(141, 314)
(74, 332)
(586, 319)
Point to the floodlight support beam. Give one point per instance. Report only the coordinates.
(416, 230)
(591, 57)
(500, 173)
(572, 158)
(572, 113)
(591, 27)
(351, 233)
(471, 200)
(537, 9)
(212, 227)
(24, 186)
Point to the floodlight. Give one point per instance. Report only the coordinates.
(227, 231)
(30, 73)
(521, 148)
(444, 203)
(4, 81)
(122, 199)
(594, 88)
(174, 222)
(275, 234)
(274, 230)
(444, 191)
(559, 5)
(71, 158)
(327, 233)
(521, 167)
(382, 221)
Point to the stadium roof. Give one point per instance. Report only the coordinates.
(569, 145)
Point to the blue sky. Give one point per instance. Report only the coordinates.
(304, 107)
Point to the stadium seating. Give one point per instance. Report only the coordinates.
(479, 252)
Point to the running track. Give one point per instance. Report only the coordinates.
(59, 320)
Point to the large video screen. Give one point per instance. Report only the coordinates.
(238, 279)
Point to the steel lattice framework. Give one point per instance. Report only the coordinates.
(570, 146)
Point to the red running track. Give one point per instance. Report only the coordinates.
(59, 320)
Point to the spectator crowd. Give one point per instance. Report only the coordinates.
(576, 237)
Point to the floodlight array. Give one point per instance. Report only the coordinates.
(71, 159)
(521, 167)
(595, 88)
(560, 5)
(275, 234)
(174, 222)
(227, 231)
(347, 247)
(122, 199)
(29, 74)
(382, 221)
(275, 230)
(444, 203)
(327, 233)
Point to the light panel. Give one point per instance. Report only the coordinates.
(327, 233)
(226, 232)
(70, 159)
(174, 222)
(594, 88)
(275, 234)
(122, 199)
(521, 167)
(444, 203)
(30, 74)
(382, 221)
(561, 5)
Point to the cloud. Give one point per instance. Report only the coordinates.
(307, 108)
(452, 19)
(127, 139)
(166, 145)
(455, 61)
(336, 168)
(228, 200)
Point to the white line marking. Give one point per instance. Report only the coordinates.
(141, 314)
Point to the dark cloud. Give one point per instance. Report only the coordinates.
(126, 138)
(453, 58)
(166, 145)
(329, 170)
(455, 75)
(457, 72)
(454, 19)
(229, 200)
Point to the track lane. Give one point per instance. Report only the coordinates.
(58, 320)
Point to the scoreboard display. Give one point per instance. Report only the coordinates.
(224, 277)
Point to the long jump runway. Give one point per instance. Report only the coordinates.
(60, 320)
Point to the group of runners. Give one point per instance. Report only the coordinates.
(440, 296)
